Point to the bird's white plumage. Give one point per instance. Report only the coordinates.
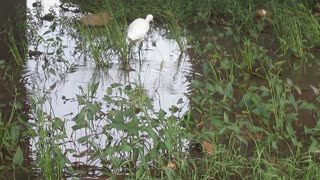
(139, 28)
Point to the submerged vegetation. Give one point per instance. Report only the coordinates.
(254, 98)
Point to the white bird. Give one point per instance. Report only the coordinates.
(138, 29)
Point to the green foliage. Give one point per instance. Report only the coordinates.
(116, 35)
(251, 54)
(9, 136)
(18, 157)
(49, 134)
(261, 125)
(13, 131)
(17, 50)
(297, 29)
(142, 134)
(94, 45)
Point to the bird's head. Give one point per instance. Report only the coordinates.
(149, 18)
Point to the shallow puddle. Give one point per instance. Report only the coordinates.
(162, 73)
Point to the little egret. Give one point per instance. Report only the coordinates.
(138, 29)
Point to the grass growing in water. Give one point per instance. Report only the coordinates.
(94, 45)
(50, 133)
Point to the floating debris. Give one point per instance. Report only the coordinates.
(261, 12)
(48, 17)
(96, 19)
(36, 4)
(200, 124)
(34, 53)
(68, 7)
(172, 165)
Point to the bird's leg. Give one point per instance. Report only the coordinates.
(130, 54)
(130, 49)
(140, 47)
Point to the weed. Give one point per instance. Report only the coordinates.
(94, 45)
(116, 36)
(50, 133)
(296, 28)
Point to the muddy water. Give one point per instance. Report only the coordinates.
(162, 72)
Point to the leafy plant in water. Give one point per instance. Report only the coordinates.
(116, 38)
(136, 135)
(50, 134)
(107, 42)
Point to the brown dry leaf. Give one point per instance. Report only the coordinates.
(96, 19)
(171, 165)
(258, 135)
(207, 146)
(201, 123)
(274, 160)
(248, 136)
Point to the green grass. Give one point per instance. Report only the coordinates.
(296, 28)
(13, 131)
(94, 45)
